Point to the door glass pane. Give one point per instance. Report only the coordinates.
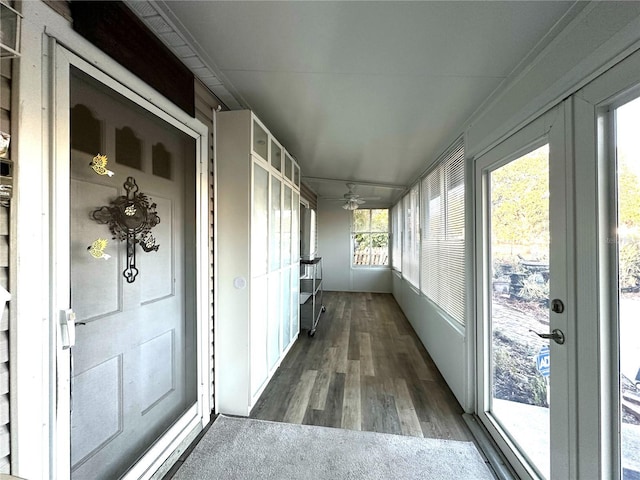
(276, 156)
(274, 329)
(295, 228)
(260, 221)
(286, 226)
(519, 254)
(260, 139)
(288, 167)
(258, 332)
(295, 303)
(286, 308)
(275, 220)
(628, 243)
(296, 175)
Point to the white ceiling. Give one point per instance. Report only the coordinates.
(364, 91)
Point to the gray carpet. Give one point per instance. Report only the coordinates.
(240, 448)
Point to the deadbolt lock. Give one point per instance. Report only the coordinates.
(557, 306)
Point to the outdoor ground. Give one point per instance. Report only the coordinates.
(516, 347)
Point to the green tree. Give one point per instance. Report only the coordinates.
(628, 224)
(520, 200)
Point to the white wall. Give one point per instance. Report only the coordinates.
(334, 246)
(602, 34)
(444, 339)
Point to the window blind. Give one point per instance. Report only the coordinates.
(443, 262)
(411, 247)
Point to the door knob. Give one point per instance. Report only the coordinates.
(556, 335)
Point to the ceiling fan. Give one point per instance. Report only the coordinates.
(351, 199)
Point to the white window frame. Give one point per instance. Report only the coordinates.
(396, 237)
(411, 237)
(370, 232)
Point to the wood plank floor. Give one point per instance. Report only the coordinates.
(365, 369)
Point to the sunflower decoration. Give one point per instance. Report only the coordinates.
(96, 250)
(99, 165)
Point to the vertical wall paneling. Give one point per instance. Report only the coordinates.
(5, 126)
(205, 103)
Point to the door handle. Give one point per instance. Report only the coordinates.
(68, 328)
(556, 335)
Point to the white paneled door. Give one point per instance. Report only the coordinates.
(134, 386)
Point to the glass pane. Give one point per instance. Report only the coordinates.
(258, 332)
(260, 139)
(296, 174)
(286, 226)
(380, 220)
(379, 249)
(295, 303)
(275, 220)
(519, 253)
(361, 219)
(361, 248)
(273, 339)
(260, 221)
(276, 156)
(288, 167)
(286, 308)
(295, 228)
(628, 242)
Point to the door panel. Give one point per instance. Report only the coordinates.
(157, 265)
(94, 299)
(134, 338)
(523, 387)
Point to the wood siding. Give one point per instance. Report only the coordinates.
(206, 102)
(5, 126)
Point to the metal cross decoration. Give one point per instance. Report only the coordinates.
(130, 217)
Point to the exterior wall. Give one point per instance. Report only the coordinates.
(334, 246)
(206, 103)
(5, 245)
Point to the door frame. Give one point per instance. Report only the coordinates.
(599, 442)
(60, 61)
(551, 128)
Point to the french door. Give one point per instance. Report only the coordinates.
(128, 277)
(558, 254)
(523, 378)
(607, 113)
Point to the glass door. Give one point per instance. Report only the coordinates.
(626, 119)
(522, 276)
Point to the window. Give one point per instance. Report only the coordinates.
(411, 248)
(396, 237)
(370, 237)
(443, 233)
